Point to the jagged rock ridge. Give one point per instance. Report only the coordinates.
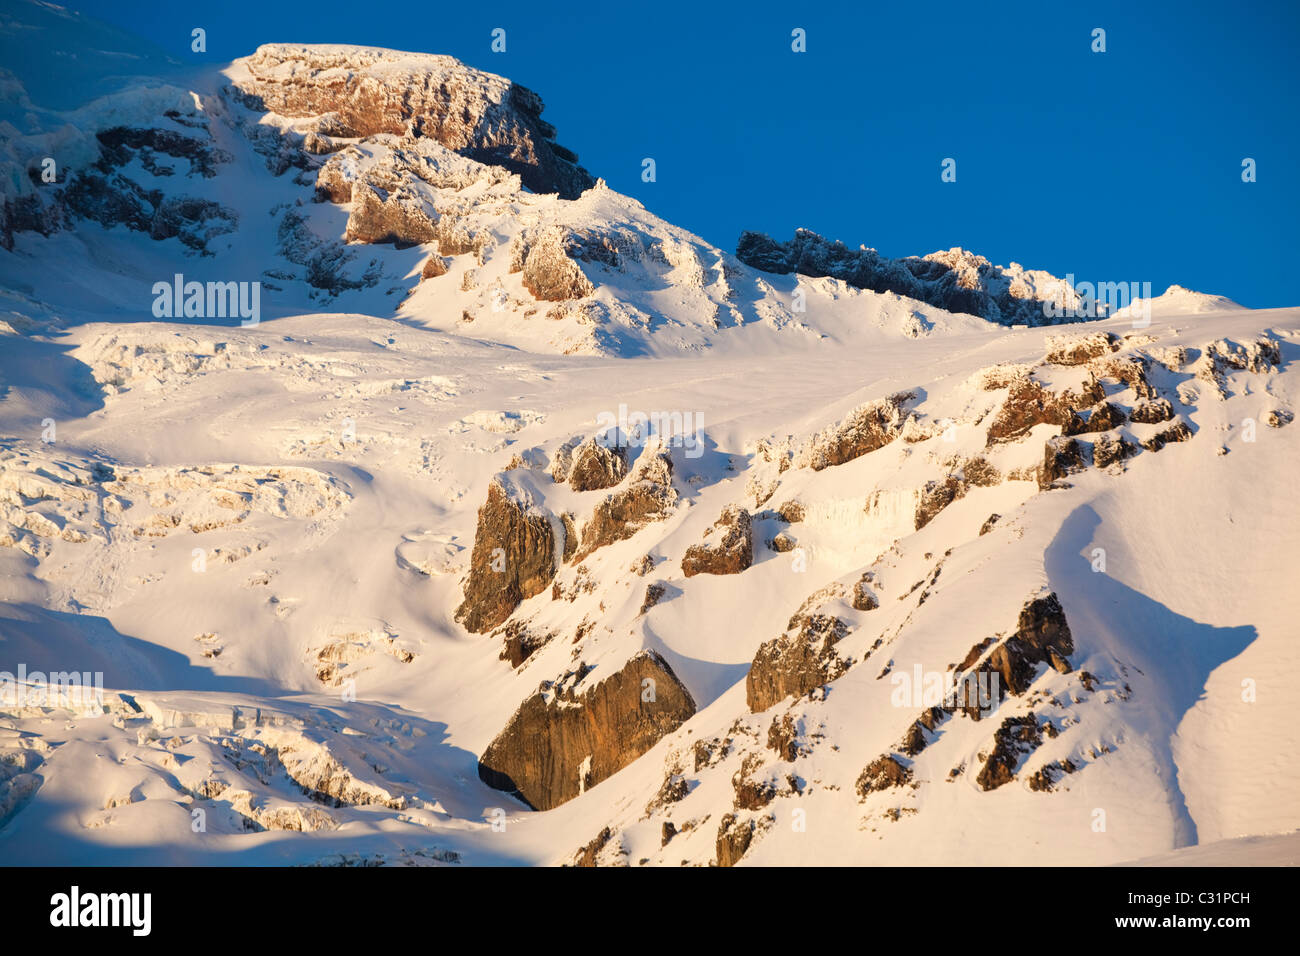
(955, 280)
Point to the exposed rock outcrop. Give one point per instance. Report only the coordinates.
(1080, 349)
(597, 466)
(1129, 369)
(399, 217)
(520, 642)
(1012, 741)
(920, 733)
(550, 270)
(1045, 779)
(1220, 357)
(653, 593)
(433, 267)
(562, 741)
(1028, 404)
(1101, 417)
(939, 494)
(408, 191)
(1278, 418)
(866, 428)
(1107, 450)
(647, 496)
(792, 512)
(1062, 456)
(935, 496)
(783, 737)
(513, 559)
(1176, 432)
(882, 774)
(955, 280)
(586, 857)
(864, 598)
(731, 549)
(800, 660)
(359, 91)
(734, 839)
(109, 191)
(1152, 412)
(1042, 637)
(781, 542)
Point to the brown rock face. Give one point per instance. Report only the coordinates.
(653, 593)
(1107, 450)
(648, 497)
(369, 91)
(1278, 418)
(867, 428)
(550, 272)
(1042, 636)
(731, 550)
(561, 742)
(407, 191)
(1178, 431)
(586, 857)
(734, 839)
(520, 643)
(917, 736)
(1062, 456)
(1153, 412)
(1132, 372)
(1016, 737)
(1101, 417)
(513, 559)
(881, 774)
(1044, 780)
(1028, 404)
(434, 266)
(781, 543)
(798, 661)
(864, 599)
(935, 496)
(398, 217)
(792, 512)
(596, 466)
(783, 737)
(752, 794)
(1081, 350)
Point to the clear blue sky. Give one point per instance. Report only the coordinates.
(1120, 166)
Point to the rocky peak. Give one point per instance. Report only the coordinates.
(955, 280)
(363, 91)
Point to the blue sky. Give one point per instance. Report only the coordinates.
(1115, 166)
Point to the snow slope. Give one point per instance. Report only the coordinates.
(260, 536)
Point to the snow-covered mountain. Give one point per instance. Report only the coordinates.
(467, 512)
